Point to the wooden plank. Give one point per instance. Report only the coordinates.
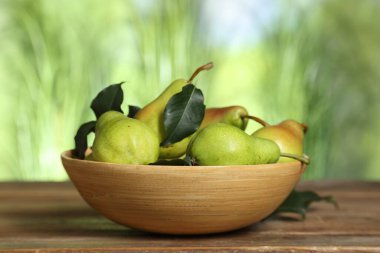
(52, 217)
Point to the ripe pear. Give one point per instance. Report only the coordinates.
(224, 144)
(152, 114)
(288, 135)
(233, 115)
(119, 139)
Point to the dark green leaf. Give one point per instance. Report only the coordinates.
(299, 201)
(173, 162)
(183, 114)
(81, 138)
(110, 98)
(133, 110)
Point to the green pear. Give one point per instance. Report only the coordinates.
(288, 135)
(233, 115)
(224, 144)
(119, 139)
(152, 113)
(174, 150)
(107, 118)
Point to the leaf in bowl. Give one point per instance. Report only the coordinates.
(108, 99)
(81, 138)
(133, 110)
(173, 162)
(183, 114)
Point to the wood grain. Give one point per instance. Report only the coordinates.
(52, 217)
(183, 199)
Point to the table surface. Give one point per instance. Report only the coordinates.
(52, 217)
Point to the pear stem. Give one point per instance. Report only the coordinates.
(207, 66)
(304, 158)
(258, 120)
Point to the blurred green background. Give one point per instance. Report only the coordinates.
(314, 61)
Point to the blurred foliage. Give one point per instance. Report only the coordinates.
(317, 62)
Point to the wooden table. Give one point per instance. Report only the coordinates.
(40, 217)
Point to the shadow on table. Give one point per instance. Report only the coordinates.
(85, 222)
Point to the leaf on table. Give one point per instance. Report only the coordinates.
(110, 98)
(133, 110)
(81, 138)
(299, 201)
(183, 114)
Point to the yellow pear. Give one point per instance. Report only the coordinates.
(288, 135)
(152, 113)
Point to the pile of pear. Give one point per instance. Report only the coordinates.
(220, 140)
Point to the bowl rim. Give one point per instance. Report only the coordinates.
(67, 155)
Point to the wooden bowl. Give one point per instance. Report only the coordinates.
(183, 199)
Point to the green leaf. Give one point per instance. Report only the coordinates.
(299, 201)
(183, 114)
(133, 110)
(81, 138)
(110, 98)
(173, 162)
